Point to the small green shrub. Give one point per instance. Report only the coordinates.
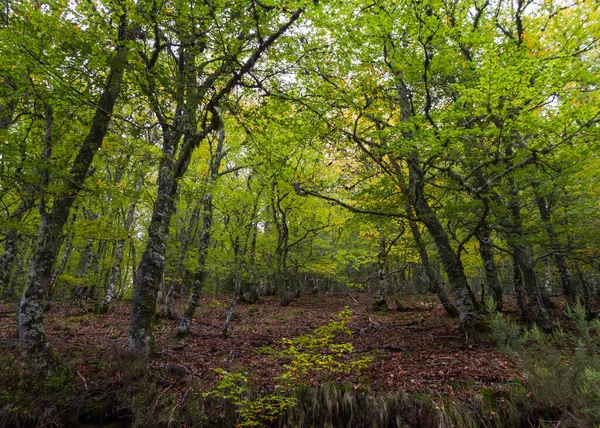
(309, 355)
(561, 370)
(234, 389)
(316, 354)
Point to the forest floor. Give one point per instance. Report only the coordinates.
(419, 349)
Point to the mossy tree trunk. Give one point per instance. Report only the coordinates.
(465, 300)
(35, 348)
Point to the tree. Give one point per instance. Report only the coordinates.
(32, 338)
(202, 84)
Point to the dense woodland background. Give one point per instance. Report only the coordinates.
(153, 151)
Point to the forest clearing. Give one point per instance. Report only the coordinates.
(300, 213)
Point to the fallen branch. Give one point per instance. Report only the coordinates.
(383, 348)
(83, 379)
(358, 303)
(377, 324)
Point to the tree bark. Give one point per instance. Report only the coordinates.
(11, 245)
(150, 270)
(522, 255)
(519, 292)
(35, 348)
(486, 251)
(151, 267)
(465, 301)
(569, 290)
(207, 215)
(380, 303)
(200, 275)
(115, 273)
(61, 266)
(435, 285)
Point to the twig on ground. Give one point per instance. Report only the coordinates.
(83, 379)
(158, 398)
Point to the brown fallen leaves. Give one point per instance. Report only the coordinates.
(418, 349)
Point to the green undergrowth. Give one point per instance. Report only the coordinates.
(561, 370)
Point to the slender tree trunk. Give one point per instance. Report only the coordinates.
(548, 280)
(415, 183)
(536, 299)
(231, 309)
(61, 265)
(569, 290)
(588, 292)
(186, 239)
(522, 255)
(200, 275)
(435, 285)
(150, 270)
(174, 288)
(207, 215)
(486, 251)
(519, 292)
(115, 273)
(11, 249)
(380, 302)
(151, 267)
(95, 279)
(85, 259)
(11, 244)
(19, 273)
(35, 348)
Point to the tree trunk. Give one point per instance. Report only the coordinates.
(185, 124)
(115, 273)
(435, 285)
(522, 255)
(519, 292)
(536, 299)
(19, 273)
(61, 266)
(200, 275)
(11, 244)
(380, 303)
(486, 251)
(465, 301)
(569, 290)
(207, 215)
(189, 232)
(150, 270)
(79, 292)
(35, 348)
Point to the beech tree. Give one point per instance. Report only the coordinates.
(162, 150)
(218, 47)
